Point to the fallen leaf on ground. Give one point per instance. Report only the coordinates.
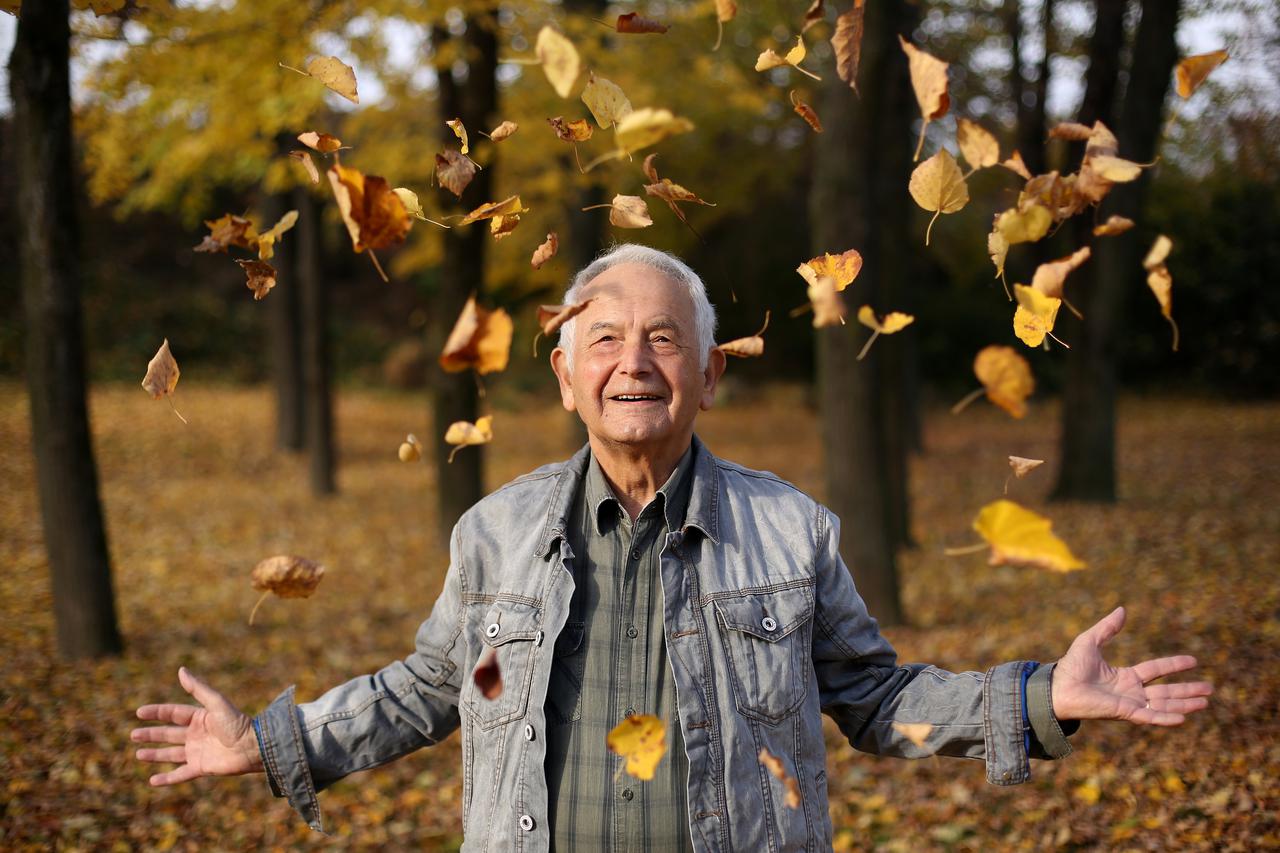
(466, 434)
(642, 740)
(771, 762)
(287, 577)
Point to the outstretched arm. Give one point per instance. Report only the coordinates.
(213, 738)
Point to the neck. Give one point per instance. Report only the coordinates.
(636, 473)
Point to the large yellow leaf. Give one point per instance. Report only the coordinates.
(336, 74)
(1020, 537)
(642, 740)
(938, 185)
(929, 80)
(842, 268)
(1035, 315)
(606, 100)
(1006, 378)
(559, 60)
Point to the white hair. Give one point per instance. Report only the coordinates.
(704, 313)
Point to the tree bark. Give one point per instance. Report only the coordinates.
(861, 165)
(455, 396)
(1088, 448)
(66, 474)
(1030, 96)
(314, 310)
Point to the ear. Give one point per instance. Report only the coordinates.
(560, 366)
(711, 376)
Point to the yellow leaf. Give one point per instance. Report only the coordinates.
(1006, 377)
(938, 185)
(460, 131)
(409, 199)
(647, 126)
(642, 740)
(828, 305)
(494, 208)
(1024, 226)
(577, 130)
(894, 321)
(751, 347)
(1050, 277)
(1115, 169)
(1020, 537)
(1193, 70)
(998, 249)
(791, 789)
(1158, 253)
(410, 449)
(503, 130)
(502, 225)
(559, 60)
(1160, 280)
(1035, 315)
(929, 80)
(335, 74)
(466, 434)
(480, 340)
(228, 230)
(322, 142)
(1114, 225)
(977, 145)
(267, 241)
(842, 268)
(917, 733)
(770, 59)
(606, 100)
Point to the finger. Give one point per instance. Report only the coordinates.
(180, 714)
(1180, 690)
(159, 734)
(1152, 717)
(1160, 667)
(185, 773)
(1107, 627)
(1179, 706)
(173, 754)
(200, 691)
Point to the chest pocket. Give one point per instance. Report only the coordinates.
(513, 630)
(767, 638)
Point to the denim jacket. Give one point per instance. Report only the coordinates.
(764, 630)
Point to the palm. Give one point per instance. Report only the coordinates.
(211, 741)
(1086, 687)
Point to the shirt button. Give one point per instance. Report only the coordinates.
(635, 555)
(627, 793)
(526, 822)
(768, 623)
(492, 630)
(632, 632)
(528, 732)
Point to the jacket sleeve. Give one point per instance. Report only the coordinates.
(371, 719)
(866, 691)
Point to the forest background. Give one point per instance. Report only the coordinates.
(182, 114)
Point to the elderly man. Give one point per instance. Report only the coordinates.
(647, 576)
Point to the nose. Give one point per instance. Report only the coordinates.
(635, 358)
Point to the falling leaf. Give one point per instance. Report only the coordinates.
(162, 376)
(828, 304)
(335, 74)
(726, 10)
(502, 131)
(847, 43)
(577, 130)
(771, 762)
(1015, 165)
(1035, 315)
(409, 199)
(546, 251)
(626, 211)
(816, 12)
(460, 131)
(487, 677)
(410, 449)
(1050, 277)
(287, 577)
(1016, 226)
(552, 317)
(842, 268)
(647, 126)
(322, 142)
(1006, 378)
(1160, 280)
(260, 277)
(978, 147)
(894, 321)
(480, 340)
(1070, 131)
(1192, 70)
(929, 80)
(632, 22)
(770, 59)
(494, 208)
(454, 171)
(917, 733)
(1020, 537)
(267, 240)
(806, 112)
(606, 100)
(502, 225)
(751, 347)
(1115, 169)
(642, 740)
(559, 60)
(669, 192)
(304, 157)
(229, 230)
(466, 434)
(1022, 466)
(1114, 225)
(937, 185)
(374, 215)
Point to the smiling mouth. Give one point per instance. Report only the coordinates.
(635, 398)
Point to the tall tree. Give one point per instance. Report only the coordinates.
(857, 199)
(1030, 95)
(472, 97)
(74, 533)
(313, 300)
(1088, 449)
(284, 335)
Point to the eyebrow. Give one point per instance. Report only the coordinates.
(662, 321)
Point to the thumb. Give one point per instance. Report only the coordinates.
(1107, 627)
(200, 691)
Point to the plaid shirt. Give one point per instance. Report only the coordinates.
(611, 662)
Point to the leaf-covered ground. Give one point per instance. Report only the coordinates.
(1192, 550)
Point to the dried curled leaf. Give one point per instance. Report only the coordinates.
(938, 185)
(815, 13)
(559, 60)
(626, 211)
(336, 74)
(1050, 277)
(228, 230)
(460, 131)
(1006, 378)
(454, 171)
(1160, 280)
(304, 157)
(506, 207)
(806, 112)
(1022, 466)
(669, 192)
(503, 130)
(842, 268)
(260, 277)
(501, 226)
(1070, 131)
(894, 321)
(847, 41)
(1017, 166)
(772, 763)
(487, 677)
(642, 740)
(917, 733)
(752, 347)
(287, 577)
(374, 215)
(978, 147)
(546, 251)
(410, 449)
(1191, 71)
(552, 317)
(1114, 225)
(162, 373)
(929, 80)
(322, 142)
(606, 101)
(632, 22)
(577, 130)
(466, 434)
(1020, 537)
(480, 340)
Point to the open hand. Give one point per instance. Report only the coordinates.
(1086, 687)
(214, 740)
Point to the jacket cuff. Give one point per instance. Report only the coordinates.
(1050, 734)
(285, 758)
(262, 753)
(1004, 733)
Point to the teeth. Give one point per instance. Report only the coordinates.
(631, 397)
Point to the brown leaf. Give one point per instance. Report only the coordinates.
(929, 80)
(1023, 466)
(751, 347)
(229, 230)
(260, 277)
(577, 130)
(1070, 131)
(806, 112)
(287, 577)
(828, 305)
(162, 373)
(791, 798)
(670, 192)
(487, 677)
(847, 43)
(815, 13)
(454, 171)
(503, 130)
(1160, 280)
(546, 251)
(632, 22)
(480, 340)
(375, 216)
(322, 142)
(552, 317)
(304, 157)
(502, 225)
(1015, 165)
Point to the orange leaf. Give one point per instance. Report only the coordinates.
(1192, 70)
(1114, 225)
(304, 157)
(494, 208)
(1015, 165)
(480, 340)
(806, 112)
(577, 130)
(546, 251)
(322, 142)
(552, 317)
(229, 230)
(771, 762)
(375, 216)
(842, 268)
(1160, 280)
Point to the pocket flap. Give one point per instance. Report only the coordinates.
(767, 615)
(510, 620)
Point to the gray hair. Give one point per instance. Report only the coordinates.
(704, 313)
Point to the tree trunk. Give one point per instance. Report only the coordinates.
(314, 309)
(284, 338)
(861, 165)
(67, 477)
(454, 396)
(1088, 450)
(1031, 95)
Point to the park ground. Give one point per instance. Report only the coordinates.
(1192, 549)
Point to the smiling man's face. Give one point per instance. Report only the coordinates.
(635, 379)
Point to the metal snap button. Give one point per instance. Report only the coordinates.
(632, 632)
(526, 822)
(528, 732)
(768, 623)
(635, 555)
(537, 638)
(627, 793)
(492, 630)
(631, 712)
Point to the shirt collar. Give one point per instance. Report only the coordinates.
(673, 494)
